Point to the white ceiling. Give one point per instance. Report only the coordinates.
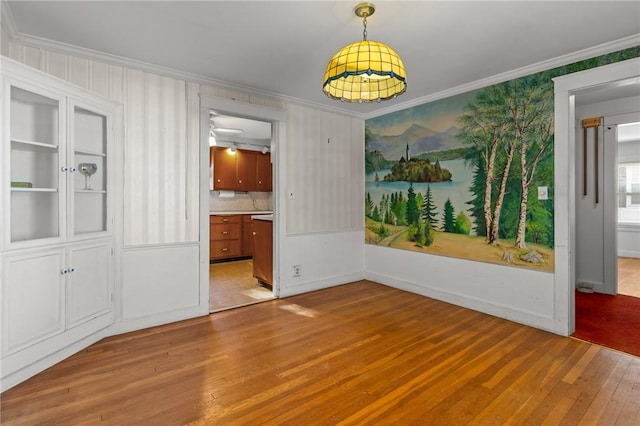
(282, 47)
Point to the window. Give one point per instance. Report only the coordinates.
(629, 174)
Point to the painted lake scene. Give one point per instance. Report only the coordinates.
(470, 176)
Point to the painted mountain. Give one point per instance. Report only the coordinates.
(420, 140)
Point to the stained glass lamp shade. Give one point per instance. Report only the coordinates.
(365, 71)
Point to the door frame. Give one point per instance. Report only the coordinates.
(611, 201)
(277, 118)
(564, 179)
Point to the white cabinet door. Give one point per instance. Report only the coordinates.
(89, 283)
(32, 298)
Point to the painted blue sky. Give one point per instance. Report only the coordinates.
(438, 115)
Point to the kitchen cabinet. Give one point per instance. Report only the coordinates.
(242, 170)
(246, 169)
(57, 198)
(230, 236)
(224, 169)
(263, 251)
(264, 174)
(247, 235)
(225, 236)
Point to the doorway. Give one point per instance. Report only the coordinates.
(227, 214)
(607, 188)
(238, 145)
(607, 215)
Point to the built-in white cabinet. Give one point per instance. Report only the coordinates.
(57, 158)
(57, 205)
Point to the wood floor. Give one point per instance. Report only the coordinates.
(629, 276)
(361, 353)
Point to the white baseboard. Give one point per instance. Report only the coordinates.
(500, 311)
(308, 286)
(628, 253)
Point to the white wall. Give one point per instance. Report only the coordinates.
(159, 213)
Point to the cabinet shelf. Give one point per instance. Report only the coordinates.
(85, 152)
(33, 144)
(90, 191)
(17, 189)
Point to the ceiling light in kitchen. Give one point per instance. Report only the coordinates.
(227, 131)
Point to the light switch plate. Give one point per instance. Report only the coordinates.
(543, 193)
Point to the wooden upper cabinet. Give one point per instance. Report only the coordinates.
(246, 166)
(224, 169)
(243, 171)
(264, 174)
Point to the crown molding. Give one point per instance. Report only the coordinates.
(69, 49)
(591, 52)
(6, 20)
(8, 24)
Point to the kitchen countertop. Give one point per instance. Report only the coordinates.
(256, 212)
(268, 217)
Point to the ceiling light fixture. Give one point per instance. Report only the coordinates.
(227, 131)
(365, 71)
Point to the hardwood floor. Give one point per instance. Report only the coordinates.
(629, 276)
(360, 353)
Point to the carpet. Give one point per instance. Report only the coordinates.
(611, 321)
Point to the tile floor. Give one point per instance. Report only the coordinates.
(231, 284)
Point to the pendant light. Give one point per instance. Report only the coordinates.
(365, 71)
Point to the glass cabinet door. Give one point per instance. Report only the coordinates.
(36, 182)
(89, 157)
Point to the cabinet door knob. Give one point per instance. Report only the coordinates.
(225, 220)
(72, 269)
(72, 169)
(64, 271)
(218, 180)
(64, 168)
(254, 232)
(240, 181)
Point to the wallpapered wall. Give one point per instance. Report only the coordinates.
(470, 176)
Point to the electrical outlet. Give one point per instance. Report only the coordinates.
(296, 271)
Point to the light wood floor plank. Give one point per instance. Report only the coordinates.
(361, 353)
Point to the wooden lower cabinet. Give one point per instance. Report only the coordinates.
(247, 235)
(263, 251)
(230, 236)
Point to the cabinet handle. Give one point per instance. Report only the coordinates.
(225, 233)
(225, 249)
(225, 219)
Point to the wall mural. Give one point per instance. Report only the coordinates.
(470, 176)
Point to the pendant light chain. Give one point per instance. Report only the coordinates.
(364, 24)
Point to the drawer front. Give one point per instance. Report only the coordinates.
(223, 249)
(224, 231)
(236, 218)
